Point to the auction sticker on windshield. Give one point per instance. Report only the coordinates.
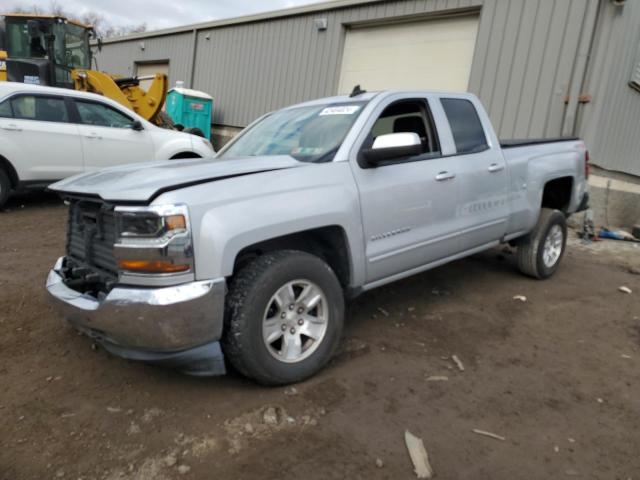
(341, 110)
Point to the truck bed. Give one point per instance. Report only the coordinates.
(534, 141)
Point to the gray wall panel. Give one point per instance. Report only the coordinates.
(526, 54)
(533, 69)
(507, 108)
(256, 67)
(286, 60)
(560, 84)
(610, 124)
(121, 57)
(524, 59)
(505, 59)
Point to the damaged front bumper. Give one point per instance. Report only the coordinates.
(178, 326)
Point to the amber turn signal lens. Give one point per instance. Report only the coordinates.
(175, 222)
(151, 266)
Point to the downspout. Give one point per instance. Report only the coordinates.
(578, 79)
(194, 49)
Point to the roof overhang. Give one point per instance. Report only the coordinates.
(258, 17)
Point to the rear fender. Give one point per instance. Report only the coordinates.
(531, 168)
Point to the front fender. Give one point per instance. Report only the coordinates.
(232, 214)
(170, 143)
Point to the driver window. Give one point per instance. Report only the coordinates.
(101, 115)
(409, 116)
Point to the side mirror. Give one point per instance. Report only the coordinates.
(137, 126)
(393, 146)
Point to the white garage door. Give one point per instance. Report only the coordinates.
(146, 69)
(426, 55)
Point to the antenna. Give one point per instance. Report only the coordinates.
(357, 91)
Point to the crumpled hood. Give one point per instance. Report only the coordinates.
(141, 182)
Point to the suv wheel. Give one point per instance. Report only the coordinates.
(284, 317)
(540, 253)
(5, 187)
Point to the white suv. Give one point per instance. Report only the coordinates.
(47, 134)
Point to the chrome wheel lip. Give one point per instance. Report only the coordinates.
(553, 246)
(288, 318)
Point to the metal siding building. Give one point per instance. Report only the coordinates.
(532, 60)
(610, 123)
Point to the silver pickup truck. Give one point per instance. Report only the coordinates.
(251, 255)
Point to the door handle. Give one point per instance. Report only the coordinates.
(444, 176)
(12, 127)
(93, 135)
(494, 167)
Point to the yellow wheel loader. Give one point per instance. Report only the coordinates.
(55, 51)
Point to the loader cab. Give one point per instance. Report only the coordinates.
(43, 50)
(3, 53)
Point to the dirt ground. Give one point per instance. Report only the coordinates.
(558, 376)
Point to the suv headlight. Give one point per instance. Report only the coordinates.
(154, 240)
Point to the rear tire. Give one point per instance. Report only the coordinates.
(540, 252)
(276, 305)
(5, 187)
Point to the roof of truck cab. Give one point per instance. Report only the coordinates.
(340, 99)
(367, 96)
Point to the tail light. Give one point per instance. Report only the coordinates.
(587, 168)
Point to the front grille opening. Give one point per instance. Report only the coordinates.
(91, 266)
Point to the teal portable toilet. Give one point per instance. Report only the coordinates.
(190, 108)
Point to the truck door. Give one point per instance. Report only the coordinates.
(483, 175)
(408, 204)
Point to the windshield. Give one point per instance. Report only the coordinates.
(20, 44)
(308, 134)
(75, 49)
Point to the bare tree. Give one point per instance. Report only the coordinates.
(102, 27)
(34, 9)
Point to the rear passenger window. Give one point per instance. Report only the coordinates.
(466, 127)
(5, 109)
(45, 109)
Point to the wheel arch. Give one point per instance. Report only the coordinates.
(557, 193)
(330, 243)
(185, 155)
(6, 165)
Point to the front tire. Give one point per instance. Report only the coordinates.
(540, 253)
(284, 317)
